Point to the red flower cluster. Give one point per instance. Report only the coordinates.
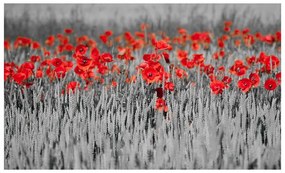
(167, 60)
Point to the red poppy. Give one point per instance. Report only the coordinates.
(159, 92)
(108, 33)
(162, 45)
(39, 73)
(6, 44)
(36, 45)
(19, 77)
(270, 84)
(114, 83)
(103, 38)
(169, 86)
(150, 75)
(35, 58)
(72, 86)
(195, 46)
(217, 87)
(78, 71)
(180, 73)
(198, 59)
(209, 69)
(68, 47)
(182, 54)
(95, 54)
(244, 84)
(84, 62)
(251, 60)
(255, 79)
(166, 57)
(227, 81)
(80, 50)
(222, 68)
(56, 62)
(106, 57)
(60, 72)
(102, 69)
(160, 105)
(238, 68)
(22, 42)
(50, 40)
(68, 30)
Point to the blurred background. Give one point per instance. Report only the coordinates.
(36, 20)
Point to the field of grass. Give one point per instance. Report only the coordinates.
(116, 123)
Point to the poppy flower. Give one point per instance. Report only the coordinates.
(50, 40)
(255, 79)
(95, 54)
(209, 69)
(270, 84)
(169, 86)
(35, 58)
(238, 69)
(227, 81)
(195, 46)
(108, 33)
(162, 45)
(83, 62)
(180, 73)
(221, 68)
(22, 42)
(104, 38)
(68, 47)
(102, 69)
(19, 77)
(114, 83)
(39, 73)
(56, 62)
(140, 34)
(160, 105)
(159, 92)
(6, 44)
(60, 72)
(80, 50)
(198, 59)
(28, 65)
(150, 75)
(190, 64)
(78, 71)
(68, 30)
(36, 45)
(166, 57)
(72, 86)
(217, 87)
(106, 57)
(244, 84)
(182, 54)
(251, 60)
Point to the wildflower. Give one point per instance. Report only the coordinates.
(72, 86)
(217, 87)
(150, 75)
(244, 84)
(255, 79)
(160, 105)
(106, 57)
(270, 84)
(169, 86)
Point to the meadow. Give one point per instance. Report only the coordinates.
(149, 95)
